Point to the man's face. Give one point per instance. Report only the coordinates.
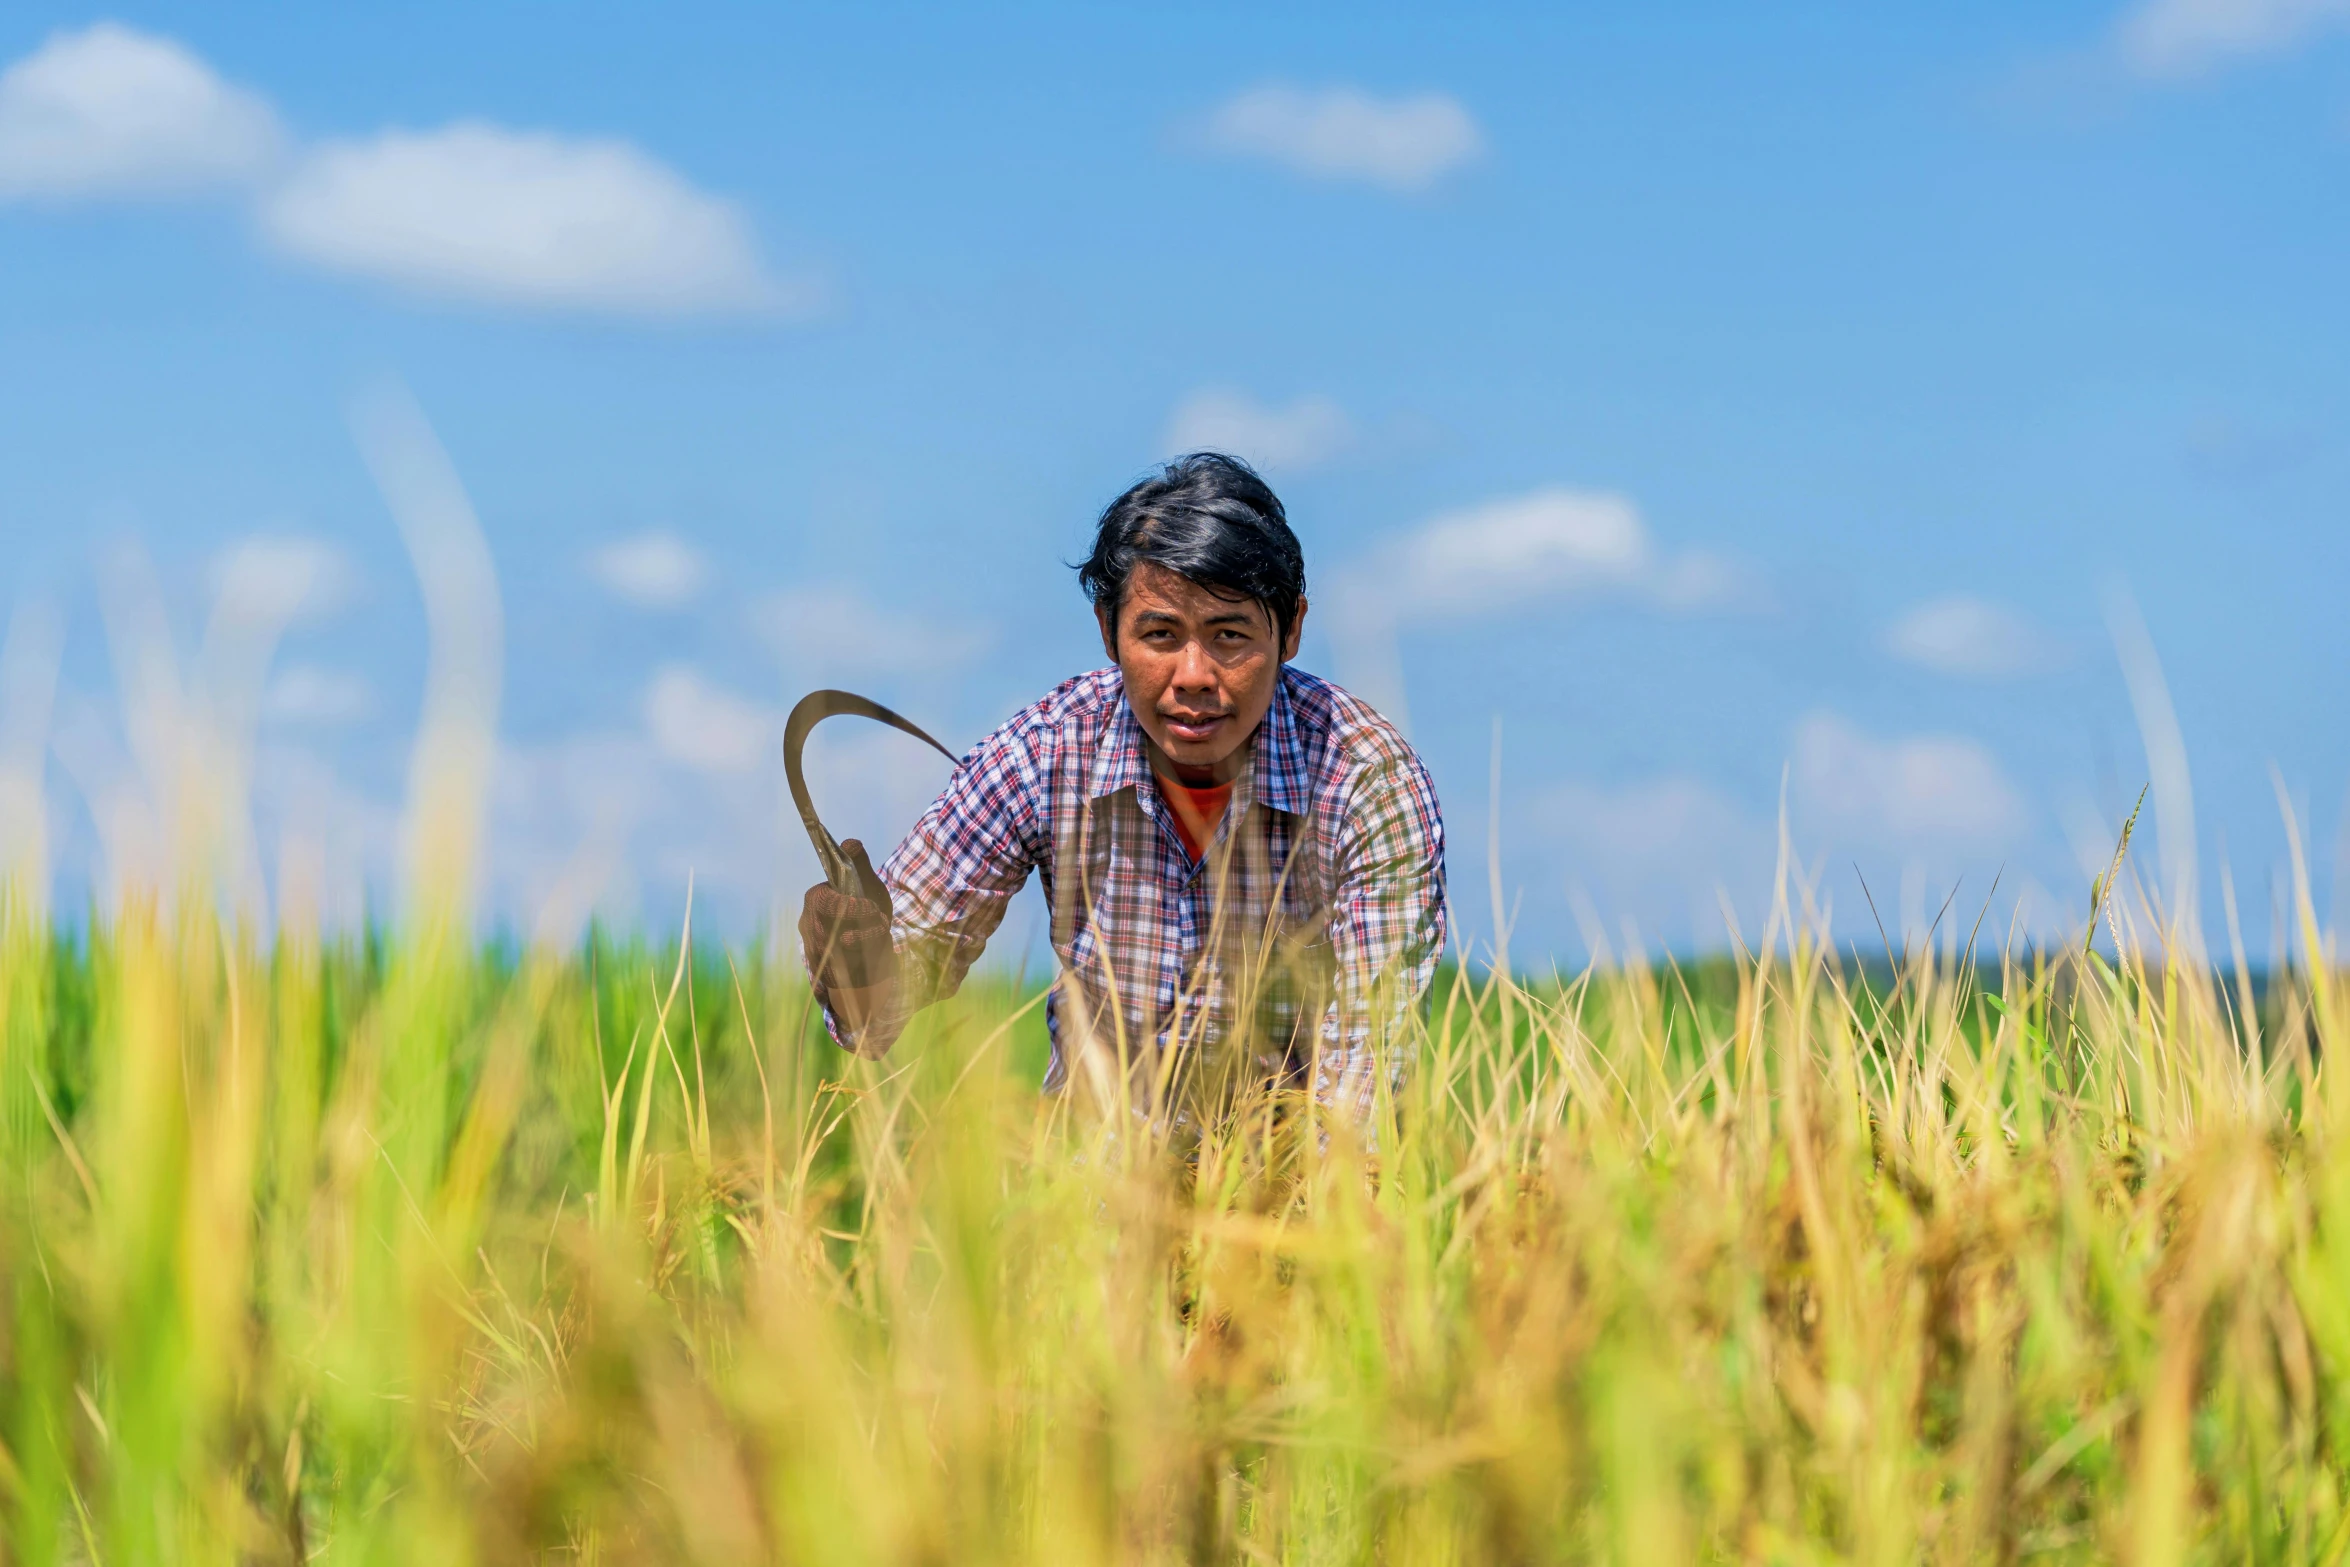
(1200, 668)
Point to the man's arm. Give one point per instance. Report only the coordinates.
(1386, 928)
(948, 885)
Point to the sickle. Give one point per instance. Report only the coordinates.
(812, 710)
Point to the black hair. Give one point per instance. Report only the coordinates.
(1206, 517)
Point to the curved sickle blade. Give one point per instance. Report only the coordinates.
(812, 710)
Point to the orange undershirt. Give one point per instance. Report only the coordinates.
(1196, 811)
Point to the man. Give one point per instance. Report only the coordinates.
(1245, 863)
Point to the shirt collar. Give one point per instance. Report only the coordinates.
(1121, 763)
(1277, 762)
(1281, 783)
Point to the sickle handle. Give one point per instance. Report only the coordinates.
(810, 711)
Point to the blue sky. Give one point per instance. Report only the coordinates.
(1723, 406)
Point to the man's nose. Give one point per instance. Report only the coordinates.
(1194, 670)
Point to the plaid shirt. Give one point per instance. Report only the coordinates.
(1320, 900)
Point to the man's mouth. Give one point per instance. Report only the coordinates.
(1193, 726)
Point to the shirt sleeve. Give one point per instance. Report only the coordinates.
(953, 876)
(1386, 929)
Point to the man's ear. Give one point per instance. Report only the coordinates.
(1297, 631)
(1102, 618)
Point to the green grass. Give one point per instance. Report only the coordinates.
(423, 1251)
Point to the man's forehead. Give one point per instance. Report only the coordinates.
(1154, 590)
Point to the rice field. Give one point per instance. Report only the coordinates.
(415, 1249)
(413, 1246)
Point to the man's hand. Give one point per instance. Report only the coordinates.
(846, 941)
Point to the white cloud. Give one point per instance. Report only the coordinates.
(313, 695)
(280, 579)
(1552, 543)
(1922, 791)
(706, 727)
(1968, 637)
(655, 570)
(109, 111)
(1299, 435)
(2180, 38)
(472, 210)
(1344, 133)
(839, 629)
(480, 212)
(1700, 580)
